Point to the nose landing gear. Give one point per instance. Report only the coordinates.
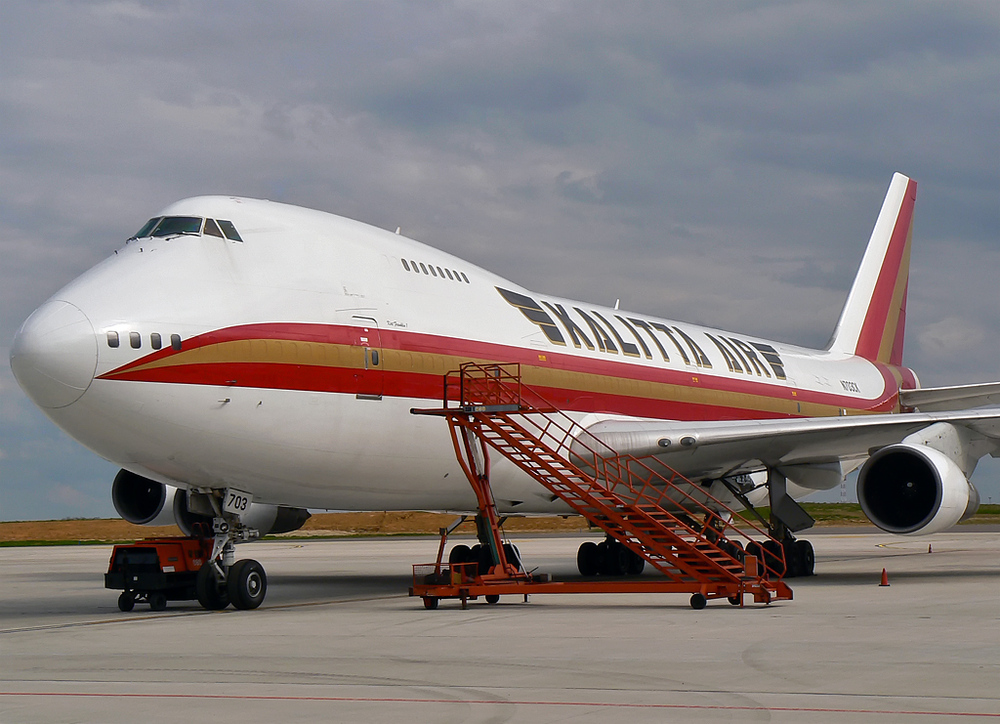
(224, 580)
(202, 567)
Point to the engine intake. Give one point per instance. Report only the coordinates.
(914, 490)
(142, 501)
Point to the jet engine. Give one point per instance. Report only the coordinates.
(913, 489)
(143, 501)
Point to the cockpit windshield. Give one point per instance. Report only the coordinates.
(147, 227)
(161, 226)
(171, 225)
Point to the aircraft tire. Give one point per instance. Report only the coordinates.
(620, 559)
(485, 559)
(460, 554)
(793, 559)
(636, 564)
(604, 559)
(513, 555)
(586, 559)
(806, 556)
(211, 595)
(246, 584)
(772, 558)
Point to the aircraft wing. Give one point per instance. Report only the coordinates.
(961, 397)
(820, 448)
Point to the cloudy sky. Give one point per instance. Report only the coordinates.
(715, 162)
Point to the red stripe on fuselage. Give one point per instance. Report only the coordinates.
(420, 385)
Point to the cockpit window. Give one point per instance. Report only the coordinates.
(229, 230)
(147, 228)
(171, 225)
(161, 226)
(212, 229)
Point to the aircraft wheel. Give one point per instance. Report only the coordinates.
(636, 564)
(772, 558)
(492, 598)
(126, 601)
(735, 549)
(621, 558)
(212, 594)
(157, 601)
(587, 558)
(698, 601)
(474, 558)
(485, 558)
(513, 555)
(612, 558)
(807, 557)
(793, 559)
(246, 584)
(460, 554)
(430, 602)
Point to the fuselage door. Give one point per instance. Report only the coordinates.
(368, 375)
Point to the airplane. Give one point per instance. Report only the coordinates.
(244, 361)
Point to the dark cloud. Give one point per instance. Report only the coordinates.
(720, 163)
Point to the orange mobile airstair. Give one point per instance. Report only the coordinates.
(686, 534)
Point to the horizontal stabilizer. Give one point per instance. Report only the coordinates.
(961, 397)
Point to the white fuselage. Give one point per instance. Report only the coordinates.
(304, 346)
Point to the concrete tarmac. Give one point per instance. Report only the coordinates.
(338, 640)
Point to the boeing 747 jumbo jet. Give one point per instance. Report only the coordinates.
(243, 361)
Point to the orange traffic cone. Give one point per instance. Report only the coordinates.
(885, 578)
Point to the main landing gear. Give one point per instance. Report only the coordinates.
(482, 553)
(608, 558)
(786, 518)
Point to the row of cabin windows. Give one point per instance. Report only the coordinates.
(135, 340)
(188, 225)
(435, 271)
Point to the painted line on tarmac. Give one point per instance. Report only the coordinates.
(494, 702)
(197, 612)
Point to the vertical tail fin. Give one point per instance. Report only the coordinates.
(872, 322)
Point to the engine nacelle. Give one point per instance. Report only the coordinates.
(143, 501)
(915, 490)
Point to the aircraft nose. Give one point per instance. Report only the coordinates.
(54, 355)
